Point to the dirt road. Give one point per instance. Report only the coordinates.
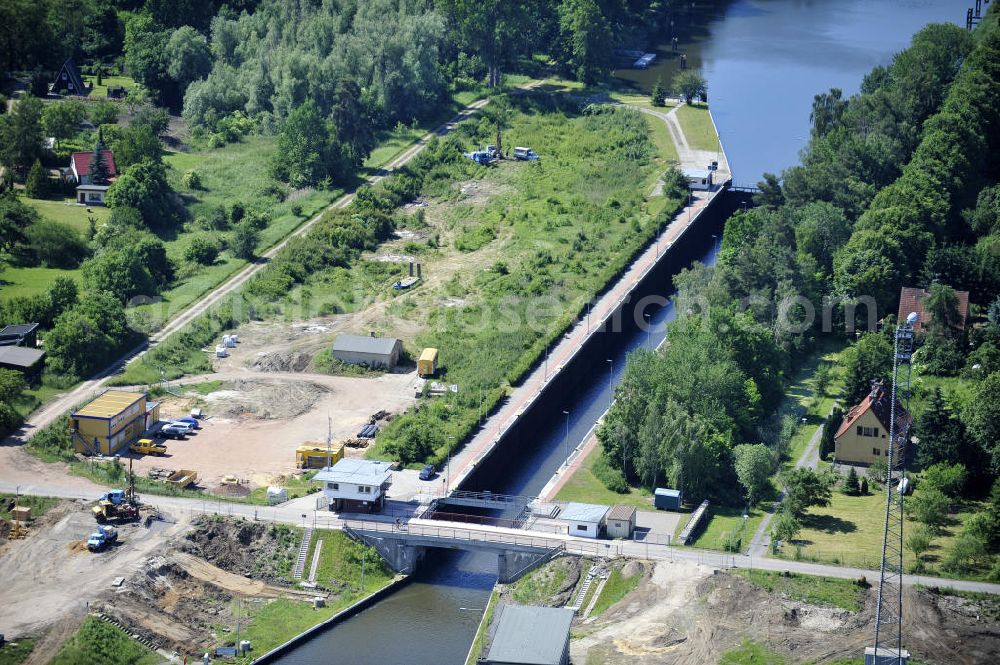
(91, 387)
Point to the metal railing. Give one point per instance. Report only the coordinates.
(404, 530)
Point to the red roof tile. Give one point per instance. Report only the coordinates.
(912, 300)
(81, 162)
(878, 402)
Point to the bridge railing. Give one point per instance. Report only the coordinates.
(449, 533)
(404, 530)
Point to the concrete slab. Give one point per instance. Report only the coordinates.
(656, 526)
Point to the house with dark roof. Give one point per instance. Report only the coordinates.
(370, 351)
(863, 437)
(69, 80)
(22, 359)
(19, 334)
(79, 170)
(912, 300)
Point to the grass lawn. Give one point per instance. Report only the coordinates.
(583, 486)
(841, 593)
(849, 532)
(751, 653)
(101, 91)
(69, 213)
(666, 151)
(31, 281)
(340, 564)
(99, 642)
(16, 652)
(615, 588)
(724, 523)
(484, 628)
(39, 504)
(280, 620)
(698, 127)
(540, 585)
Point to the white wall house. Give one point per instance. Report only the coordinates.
(585, 520)
(356, 485)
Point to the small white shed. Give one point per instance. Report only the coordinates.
(585, 520)
(699, 178)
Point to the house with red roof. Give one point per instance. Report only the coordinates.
(912, 300)
(863, 437)
(87, 192)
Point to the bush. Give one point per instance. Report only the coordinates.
(243, 242)
(54, 245)
(202, 250)
(610, 477)
(191, 180)
(103, 113)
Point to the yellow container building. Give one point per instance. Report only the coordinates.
(312, 455)
(427, 364)
(113, 421)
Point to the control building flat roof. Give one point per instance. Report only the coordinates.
(356, 471)
(583, 512)
(110, 404)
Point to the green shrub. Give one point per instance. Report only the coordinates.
(191, 180)
(203, 250)
(612, 478)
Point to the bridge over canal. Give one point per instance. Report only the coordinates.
(402, 544)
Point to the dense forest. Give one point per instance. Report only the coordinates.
(897, 187)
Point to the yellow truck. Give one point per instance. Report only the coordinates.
(427, 364)
(148, 447)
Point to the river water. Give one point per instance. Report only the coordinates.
(764, 60)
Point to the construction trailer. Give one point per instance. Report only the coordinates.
(667, 499)
(427, 364)
(113, 421)
(313, 455)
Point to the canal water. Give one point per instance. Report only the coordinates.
(763, 59)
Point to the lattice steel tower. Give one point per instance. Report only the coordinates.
(889, 612)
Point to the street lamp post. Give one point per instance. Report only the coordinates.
(611, 374)
(566, 444)
(649, 330)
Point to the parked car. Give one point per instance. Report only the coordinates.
(427, 472)
(188, 427)
(193, 422)
(174, 431)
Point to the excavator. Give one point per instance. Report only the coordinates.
(118, 505)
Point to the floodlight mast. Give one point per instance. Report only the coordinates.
(889, 610)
